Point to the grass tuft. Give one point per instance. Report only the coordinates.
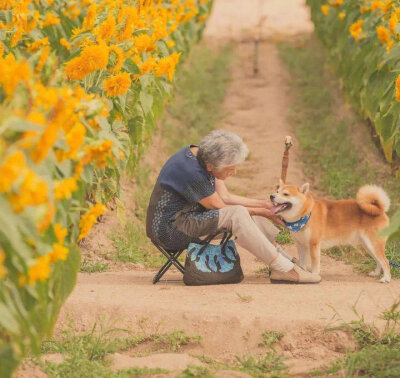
(93, 266)
(378, 351)
(270, 338)
(269, 365)
(284, 237)
(85, 352)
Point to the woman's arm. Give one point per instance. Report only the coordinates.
(215, 201)
(233, 199)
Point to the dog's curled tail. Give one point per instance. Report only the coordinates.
(373, 200)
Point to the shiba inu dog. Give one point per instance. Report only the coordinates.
(316, 224)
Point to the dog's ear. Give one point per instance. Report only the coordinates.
(305, 188)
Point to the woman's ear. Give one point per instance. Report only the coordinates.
(305, 188)
(208, 168)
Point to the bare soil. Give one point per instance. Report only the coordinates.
(256, 108)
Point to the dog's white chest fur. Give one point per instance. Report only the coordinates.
(302, 237)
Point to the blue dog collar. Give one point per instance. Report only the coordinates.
(298, 225)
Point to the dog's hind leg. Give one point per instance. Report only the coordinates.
(376, 249)
(380, 245)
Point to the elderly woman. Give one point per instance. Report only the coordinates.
(190, 201)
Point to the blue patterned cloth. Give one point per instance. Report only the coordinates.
(212, 259)
(174, 216)
(298, 225)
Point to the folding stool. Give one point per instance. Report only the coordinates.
(172, 257)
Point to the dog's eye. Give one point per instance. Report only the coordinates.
(286, 194)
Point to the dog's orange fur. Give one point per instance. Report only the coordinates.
(346, 221)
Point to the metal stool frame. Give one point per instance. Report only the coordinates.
(172, 257)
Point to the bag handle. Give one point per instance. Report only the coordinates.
(224, 241)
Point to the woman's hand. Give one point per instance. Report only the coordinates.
(268, 205)
(264, 212)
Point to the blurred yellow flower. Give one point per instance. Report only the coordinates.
(95, 57)
(44, 224)
(89, 219)
(63, 189)
(59, 252)
(116, 58)
(147, 66)
(75, 69)
(393, 22)
(144, 42)
(117, 85)
(42, 59)
(90, 18)
(325, 9)
(51, 19)
(356, 30)
(40, 271)
(107, 29)
(35, 46)
(46, 142)
(12, 73)
(341, 15)
(3, 270)
(166, 65)
(65, 43)
(60, 232)
(11, 169)
(377, 5)
(171, 43)
(383, 34)
(33, 191)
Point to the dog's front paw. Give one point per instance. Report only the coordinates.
(384, 279)
(374, 273)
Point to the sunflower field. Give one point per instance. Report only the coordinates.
(362, 39)
(82, 84)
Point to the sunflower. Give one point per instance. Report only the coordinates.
(117, 58)
(118, 84)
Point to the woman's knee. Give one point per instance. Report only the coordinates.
(232, 215)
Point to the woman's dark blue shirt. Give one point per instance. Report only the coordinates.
(174, 216)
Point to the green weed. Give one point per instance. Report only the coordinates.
(378, 351)
(93, 266)
(244, 298)
(85, 352)
(132, 245)
(174, 340)
(263, 270)
(284, 237)
(270, 338)
(197, 372)
(269, 365)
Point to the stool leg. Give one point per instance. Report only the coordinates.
(176, 263)
(162, 271)
(172, 259)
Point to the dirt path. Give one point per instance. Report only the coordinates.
(230, 326)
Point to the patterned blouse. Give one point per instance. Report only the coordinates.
(174, 215)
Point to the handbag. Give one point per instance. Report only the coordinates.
(210, 264)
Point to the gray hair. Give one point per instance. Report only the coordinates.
(222, 149)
